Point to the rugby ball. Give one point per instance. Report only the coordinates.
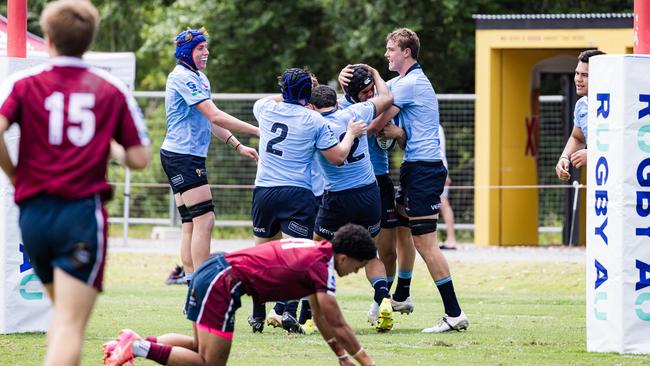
(386, 143)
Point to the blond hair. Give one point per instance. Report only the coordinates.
(406, 38)
(70, 25)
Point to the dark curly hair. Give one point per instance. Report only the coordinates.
(323, 96)
(355, 242)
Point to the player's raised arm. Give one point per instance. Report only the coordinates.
(230, 139)
(382, 120)
(335, 330)
(338, 153)
(224, 120)
(384, 98)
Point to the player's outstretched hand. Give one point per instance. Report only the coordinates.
(248, 152)
(579, 158)
(346, 75)
(562, 168)
(357, 128)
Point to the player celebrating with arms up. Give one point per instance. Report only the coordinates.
(68, 113)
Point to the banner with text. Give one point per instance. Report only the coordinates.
(24, 305)
(618, 205)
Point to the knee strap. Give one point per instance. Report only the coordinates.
(201, 208)
(185, 214)
(423, 226)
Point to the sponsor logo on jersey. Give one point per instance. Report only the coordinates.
(193, 88)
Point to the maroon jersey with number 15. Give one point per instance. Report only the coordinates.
(68, 113)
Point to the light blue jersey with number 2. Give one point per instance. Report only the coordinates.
(356, 171)
(378, 156)
(289, 136)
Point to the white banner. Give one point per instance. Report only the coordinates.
(618, 205)
(120, 64)
(24, 305)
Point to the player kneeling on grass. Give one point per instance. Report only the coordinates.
(281, 269)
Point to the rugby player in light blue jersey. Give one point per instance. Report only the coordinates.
(284, 313)
(289, 135)
(191, 115)
(352, 194)
(359, 87)
(575, 151)
(422, 174)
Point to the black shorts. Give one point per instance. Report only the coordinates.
(70, 235)
(184, 171)
(421, 184)
(359, 206)
(290, 209)
(387, 192)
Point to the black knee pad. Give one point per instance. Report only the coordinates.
(185, 214)
(201, 208)
(402, 220)
(423, 226)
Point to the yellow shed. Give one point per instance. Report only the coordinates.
(511, 51)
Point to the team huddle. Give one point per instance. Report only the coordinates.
(322, 183)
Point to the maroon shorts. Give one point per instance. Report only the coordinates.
(214, 297)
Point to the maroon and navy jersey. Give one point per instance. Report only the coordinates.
(285, 269)
(68, 113)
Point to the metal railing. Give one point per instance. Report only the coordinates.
(232, 189)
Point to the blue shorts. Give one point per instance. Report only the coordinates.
(214, 296)
(421, 184)
(317, 203)
(387, 192)
(70, 235)
(184, 171)
(359, 206)
(290, 209)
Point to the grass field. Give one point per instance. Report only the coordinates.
(521, 313)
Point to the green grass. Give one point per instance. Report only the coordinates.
(520, 313)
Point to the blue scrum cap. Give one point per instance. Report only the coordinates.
(185, 43)
(296, 85)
